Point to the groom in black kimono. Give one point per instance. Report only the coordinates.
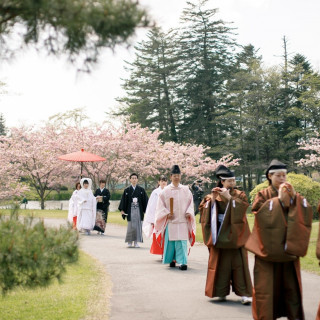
(133, 205)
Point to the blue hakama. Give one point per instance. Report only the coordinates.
(174, 250)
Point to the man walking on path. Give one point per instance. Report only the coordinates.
(103, 196)
(133, 205)
(175, 220)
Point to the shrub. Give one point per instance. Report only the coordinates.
(116, 195)
(65, 195)
(32, 255)
(302, 184)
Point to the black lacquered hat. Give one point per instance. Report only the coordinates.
(276, 166)
(175, 169)
(222, 172)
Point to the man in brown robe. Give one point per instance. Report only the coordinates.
(279, 237)
(225, 230)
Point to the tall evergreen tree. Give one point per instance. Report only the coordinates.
(207, 57)
(296, 116)
(151, 90)
(248, 117)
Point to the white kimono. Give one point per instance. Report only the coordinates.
(73, 206)
(149, 217)
(87, 207)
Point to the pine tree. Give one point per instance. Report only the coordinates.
(77, 28)
(207, 58)
(31, 254)
(151, 97)
(297, 116)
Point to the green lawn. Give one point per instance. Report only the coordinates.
(116, 218)
(81, 295)
(113, 217)
(55, 214)
(310, 262)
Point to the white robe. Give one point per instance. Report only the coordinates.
(73, 206)
(87, 209)
(150, 214)
(180, 227)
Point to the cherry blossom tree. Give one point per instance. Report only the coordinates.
(132, 148)
(311, 159)
(32, 153)
(10, 184)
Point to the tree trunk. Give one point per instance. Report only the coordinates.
(244, 182)
(249, 180)
(42, 203)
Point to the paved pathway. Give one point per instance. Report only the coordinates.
(143, 288)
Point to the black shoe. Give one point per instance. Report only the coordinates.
(183, 267)
(172, 264)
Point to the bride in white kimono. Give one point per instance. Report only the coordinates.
(87, 206)
(149, 218)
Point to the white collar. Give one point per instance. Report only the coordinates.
(172, 185)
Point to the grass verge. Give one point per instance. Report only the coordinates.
(51, 214)
(83, 294)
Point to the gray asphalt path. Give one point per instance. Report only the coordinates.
(144, 288)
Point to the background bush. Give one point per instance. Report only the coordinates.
(302, 184)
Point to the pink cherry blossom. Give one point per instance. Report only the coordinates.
(32, 153)
(313, 158)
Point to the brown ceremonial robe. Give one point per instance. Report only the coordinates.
(228, 260)
(279, 237)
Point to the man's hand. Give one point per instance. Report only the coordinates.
(188, 215)
(215, 193)
(170, 216)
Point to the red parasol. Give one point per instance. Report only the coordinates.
(81, 156)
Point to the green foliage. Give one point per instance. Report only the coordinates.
(258, 188)
(32, 255)
(54, 195)
(65, 195)
(116, 195)
(152, 85)
(74, 27)
(304, 185)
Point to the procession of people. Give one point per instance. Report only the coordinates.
(279, 237)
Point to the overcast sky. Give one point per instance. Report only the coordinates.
(39, 86)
